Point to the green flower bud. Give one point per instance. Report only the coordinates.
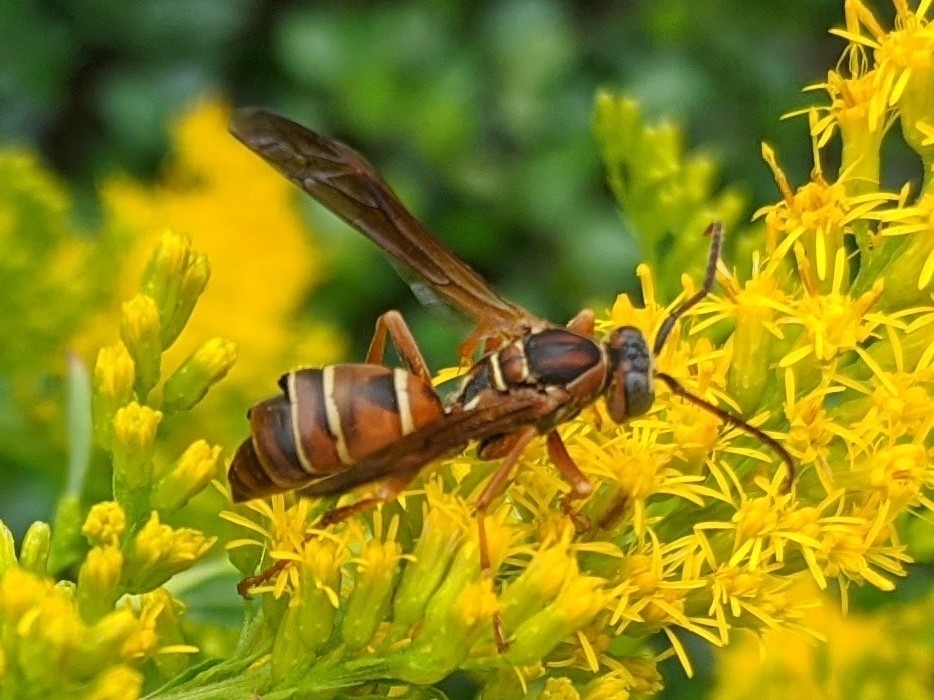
(454, 621)
(192, 284)
(576, 605)
(104, 641)
(373, 585)
(190, 474)
(537, 586)
(34, 554)
(159, 551)
(68, 545)
(7, 549)
(204, 367)
(440, 539)
(289, 654)
(915, 107)
(169, 633)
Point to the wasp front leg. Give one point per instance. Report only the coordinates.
(571, 473)
(393, 326)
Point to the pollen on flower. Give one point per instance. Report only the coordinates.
(476, 604)
(814, 218)
(853, 548)
(755, 518)
(322, 558)
(811, 429)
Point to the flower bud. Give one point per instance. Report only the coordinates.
(34, 554)
(190, 474)
(165, 270)
(105, 523)
(204, 367)
(139, 331)
(98, 580)
(368, 603)
(192, 284)
(576, 605)
(134, 432)
(7, 549)
(114, 374)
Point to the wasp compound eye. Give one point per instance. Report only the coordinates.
(630, 390)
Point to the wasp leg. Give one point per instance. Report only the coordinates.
(244, 586)
(616, 511)
(571, 473)
(392, 325)
(583, 323)
(389, 489)
(495, 486)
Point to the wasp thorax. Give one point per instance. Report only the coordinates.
(630, 390)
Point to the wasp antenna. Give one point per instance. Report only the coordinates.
(715, 231)
(736, 422)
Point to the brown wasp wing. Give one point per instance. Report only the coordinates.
(448, 435)
(343, 181)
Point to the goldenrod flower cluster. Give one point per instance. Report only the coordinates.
(819, 334)
(89, 638)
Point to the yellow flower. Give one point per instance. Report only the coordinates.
(117, 683)
(851, 655)
(49, 648)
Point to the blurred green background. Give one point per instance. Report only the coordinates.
(478, 113)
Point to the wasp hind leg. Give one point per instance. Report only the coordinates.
(388, 490)
(392, 325)
(497, 483)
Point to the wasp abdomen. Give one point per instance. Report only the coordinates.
(326, 420)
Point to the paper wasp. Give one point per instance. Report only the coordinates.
(343, 426)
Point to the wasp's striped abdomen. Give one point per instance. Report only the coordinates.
(324, 421)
